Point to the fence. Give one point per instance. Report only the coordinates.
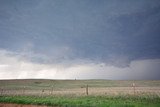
(81, 91)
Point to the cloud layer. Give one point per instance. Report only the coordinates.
(97, 30)
(15, 67)
(105, 39)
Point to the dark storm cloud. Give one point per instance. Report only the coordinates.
(109, 31)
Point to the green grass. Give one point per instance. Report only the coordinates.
(86, 101)
(72, 100)
(66, 84)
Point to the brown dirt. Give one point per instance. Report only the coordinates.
(18, 105)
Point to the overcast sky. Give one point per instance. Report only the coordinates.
(83, 39)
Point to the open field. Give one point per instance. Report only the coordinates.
(71, 93)
(77, 87)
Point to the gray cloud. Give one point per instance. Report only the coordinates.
(72, 32)
(12, 66)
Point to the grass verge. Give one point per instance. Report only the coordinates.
(85, 101)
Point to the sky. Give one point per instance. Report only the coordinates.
(82, 39)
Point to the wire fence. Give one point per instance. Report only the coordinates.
(81, 91)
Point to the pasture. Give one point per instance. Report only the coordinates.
(81, 93)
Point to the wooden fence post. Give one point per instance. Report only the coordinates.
(1, 91)
(42, 92)
(23, 90)
(134, 89)
(51, 90)
(87, 89)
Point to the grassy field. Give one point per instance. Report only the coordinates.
(77, 87)
(72, 93)
(85, 101)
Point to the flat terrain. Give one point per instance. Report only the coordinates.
(73, 93)
(77, 87)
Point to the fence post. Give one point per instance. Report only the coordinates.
(23, 90)
(134, 87)
(87, 89)
(51, 90)
(42, 94)
(1, 91)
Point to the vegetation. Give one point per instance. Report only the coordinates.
(86, 101)
(72, 93)
(63, 84)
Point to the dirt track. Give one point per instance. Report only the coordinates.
(18, 105)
